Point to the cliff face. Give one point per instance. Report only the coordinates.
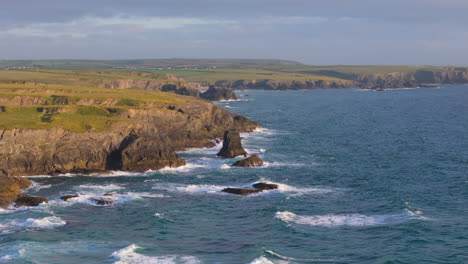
(147, 140)
(366, 81)
(282, 85)
(408, 79)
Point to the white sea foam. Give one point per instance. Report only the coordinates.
(91, 199)
(36, 186)
(16, 225)
(216, 189)
(12, 210)
(355, 220)
(99, 188)
(186, 168)
(264, 260)
(225, 167)
(129, 255)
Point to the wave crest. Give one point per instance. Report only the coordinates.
(129, 255)
(355, 220)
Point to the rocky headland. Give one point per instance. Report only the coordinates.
(50, 129)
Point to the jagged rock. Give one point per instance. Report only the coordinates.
(241, 191)
(28, 200)
(265, 186)
(67, 197)
(102, 201)
(252, 161)
(218, 93)
(232, 146)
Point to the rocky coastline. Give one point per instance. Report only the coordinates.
(393, 80)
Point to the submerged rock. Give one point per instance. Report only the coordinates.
(241, 191)
(252, 161)
(232, 146)
(218, 94)
(67, 197)
(265, 186)
(28, 200)
(102, 201)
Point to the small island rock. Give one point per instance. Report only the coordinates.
(241, 191)
(232, 146)
(252, 161)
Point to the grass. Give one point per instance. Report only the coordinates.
(70, 102)
(230, 74)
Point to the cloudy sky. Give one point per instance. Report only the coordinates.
(412, 32)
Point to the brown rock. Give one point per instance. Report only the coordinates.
(28, 200)
(265, 186)
(218, 94)
(241, 191)
(102, 201)
(252, 161)
(10, 188)
(232, 146)
(67, 197)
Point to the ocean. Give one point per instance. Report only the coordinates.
(364, 177)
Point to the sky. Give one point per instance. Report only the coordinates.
(358, 32)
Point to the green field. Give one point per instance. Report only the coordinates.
(199, 70)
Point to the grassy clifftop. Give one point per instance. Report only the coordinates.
(76, 100)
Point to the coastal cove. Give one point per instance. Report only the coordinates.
(363, 177)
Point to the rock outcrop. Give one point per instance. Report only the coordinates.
(265, 186)
(232, 146)
(10, 188)
(218, 94)
(257, 188)
(241, 191)
(102, 201)
(28, 200)
(252, 161)
(148, 141)
(68, 197)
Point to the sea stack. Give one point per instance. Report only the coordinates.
(232, 146)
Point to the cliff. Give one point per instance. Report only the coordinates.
(365, 81)
(282, 84)
(412, 79)
(145, 139)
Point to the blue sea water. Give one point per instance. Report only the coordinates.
(365, 177)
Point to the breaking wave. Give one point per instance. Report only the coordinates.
(17, 225)
(271, 257)
(129, 255)
(355, 220)
(216, 189)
